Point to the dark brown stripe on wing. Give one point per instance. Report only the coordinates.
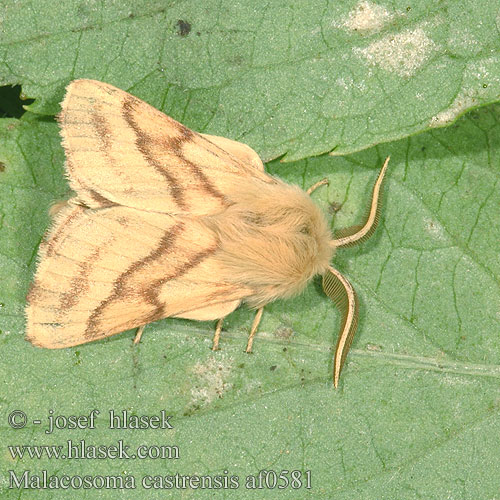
(152, 291)
(100, 199)
(164, 247)
(175, 145)
(103, 132)
(146, 145)
(33, 292)
(61, 229)
(79, 284)
(122, 286)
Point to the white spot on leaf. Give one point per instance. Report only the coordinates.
(462, 42)
(460, 105)
(212, 381)
(403, 53)
(434, 229)
(368, 17)
(483, 79)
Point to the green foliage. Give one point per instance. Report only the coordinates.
(417, 412)
(295, 78)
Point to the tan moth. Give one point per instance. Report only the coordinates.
(167, 222)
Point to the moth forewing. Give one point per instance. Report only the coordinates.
(166, 222)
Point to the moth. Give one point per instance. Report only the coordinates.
(167, 222)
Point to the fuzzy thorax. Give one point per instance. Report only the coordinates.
(273, 240)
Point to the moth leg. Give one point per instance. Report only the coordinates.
(138, 334)
(253, 330)
(218, 329)
(322, 182)
(344, 297)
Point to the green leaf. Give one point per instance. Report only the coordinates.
(417, 413)
(295, 78)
